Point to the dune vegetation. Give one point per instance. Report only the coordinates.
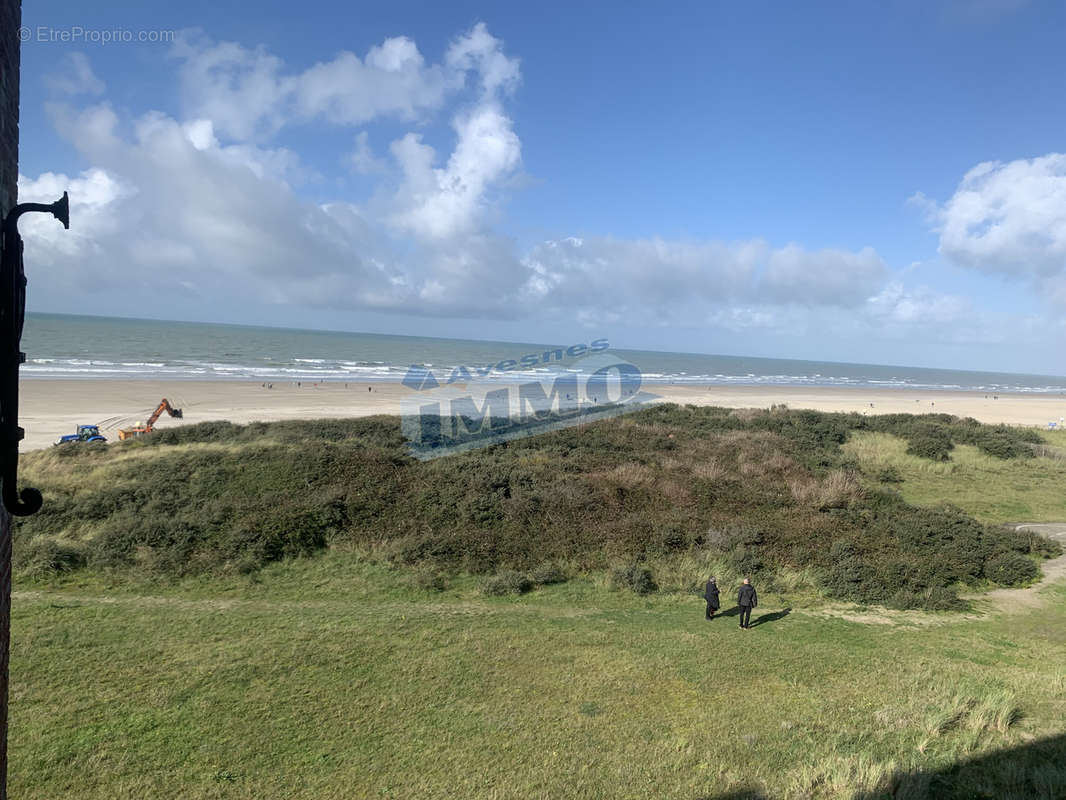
(301, 610)
(989, 488)
(773, 493)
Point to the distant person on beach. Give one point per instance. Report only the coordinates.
(747, 600)
(710, 594)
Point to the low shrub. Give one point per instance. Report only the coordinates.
(1035, 544)
(1010, 569)
(940, 598)
(547, 573)
(745, 559)
(943, 545)
(43, 557)
(217, 431)
(932, 443)
(636, 578)
(889, 475)
(852, 578)
(507, 581)
(674, 538)
(904, 599)
(1044, 547)
(1002, 444)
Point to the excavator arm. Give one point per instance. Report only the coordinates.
(164, 405)
(139, 430)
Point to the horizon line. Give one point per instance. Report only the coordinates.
(532, 344)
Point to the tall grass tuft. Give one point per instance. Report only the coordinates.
(844, 776)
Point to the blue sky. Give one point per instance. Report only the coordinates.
(791, 180)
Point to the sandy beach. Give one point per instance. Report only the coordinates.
(52, 408)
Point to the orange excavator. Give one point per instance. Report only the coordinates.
(140, 430)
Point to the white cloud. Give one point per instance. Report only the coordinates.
(1008, 219)
(201, 132)
(655, 277)
(479, 51)
(918, 306)
(196, 212)
(746, 318)
(205, 207)
(90, 130)
(439, 203)
(393, 80)
(73, 76)
(823, 277)
(77, 257)
(248, 92)
(239, 89)
(164, 210)
(362, 158)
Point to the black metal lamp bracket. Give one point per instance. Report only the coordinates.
(12, 316)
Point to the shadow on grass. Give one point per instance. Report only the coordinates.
(771, 617)
(1035, 771)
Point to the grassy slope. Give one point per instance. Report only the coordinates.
(329, 678)
(991, 489)
(746, 489)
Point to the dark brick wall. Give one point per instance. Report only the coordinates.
(10, 21)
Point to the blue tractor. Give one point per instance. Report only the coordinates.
(86, 433)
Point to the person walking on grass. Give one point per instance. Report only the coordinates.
(710, 594)
(747, 600)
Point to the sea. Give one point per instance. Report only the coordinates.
(89, 347)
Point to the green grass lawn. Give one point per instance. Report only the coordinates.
(332, 678)
(335, 676)
(991, 489)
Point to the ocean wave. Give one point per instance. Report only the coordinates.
(355, 370)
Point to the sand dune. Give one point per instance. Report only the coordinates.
(51, 408)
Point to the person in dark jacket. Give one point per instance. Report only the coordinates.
(747, 600)
(710, 594)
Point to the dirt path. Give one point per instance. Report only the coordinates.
(1010, 601)
(1002, 601)
(346, 607)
